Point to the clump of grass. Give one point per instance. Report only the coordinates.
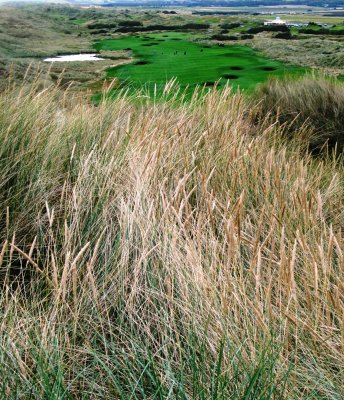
(317, 103)
(165, 250)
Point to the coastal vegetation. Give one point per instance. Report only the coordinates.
(171, 216)
(168, 250)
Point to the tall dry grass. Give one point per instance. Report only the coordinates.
(165, 251)
(315, 102)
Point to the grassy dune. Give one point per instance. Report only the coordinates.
(166, 251)
(316, 103)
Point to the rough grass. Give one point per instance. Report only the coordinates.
(314, 102)
(165, 251)
(321, 53)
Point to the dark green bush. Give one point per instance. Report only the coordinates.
(232, 25)
(101, 25)
(283, 35)
(223, 37)
(130, 23)
(259, 29)
(246, 36)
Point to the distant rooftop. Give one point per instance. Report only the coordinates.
(277, 21)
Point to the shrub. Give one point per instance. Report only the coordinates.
(322, 31)
(230, 25)
(247, 36)
(223, 37)
(130, 23)
(195, 26)
(283, 35)
(101, 25)
(99, 31)
(259, 29)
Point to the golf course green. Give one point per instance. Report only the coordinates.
(159, 57)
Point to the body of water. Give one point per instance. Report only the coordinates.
(74, 57)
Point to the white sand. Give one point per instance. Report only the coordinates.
(74, 57)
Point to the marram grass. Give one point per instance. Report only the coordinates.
(166, 251)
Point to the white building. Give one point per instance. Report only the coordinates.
(277, 21)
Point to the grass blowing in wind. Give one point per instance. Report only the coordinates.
(165, 251)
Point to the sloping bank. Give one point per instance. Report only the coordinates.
(165, 251)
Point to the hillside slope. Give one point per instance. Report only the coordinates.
(166, 251)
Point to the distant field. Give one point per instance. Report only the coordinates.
(162, 56)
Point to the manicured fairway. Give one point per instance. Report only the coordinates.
(160, 57)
